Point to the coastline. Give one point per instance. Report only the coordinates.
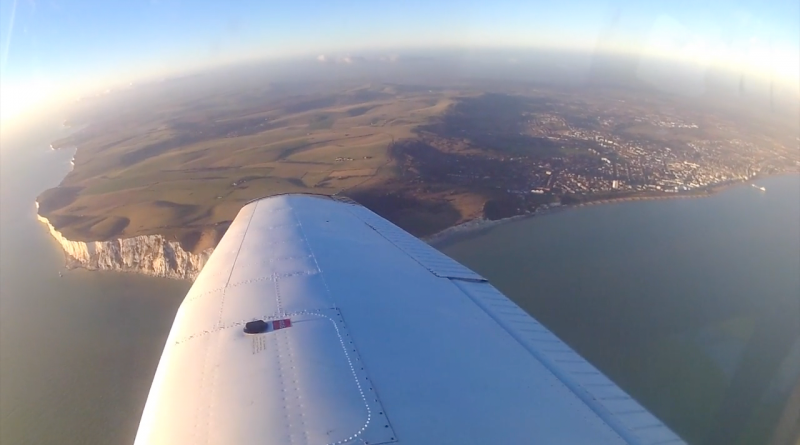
(479, 225)
(155, 256)
(151, 255)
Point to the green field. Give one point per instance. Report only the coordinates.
(180, 160)
(186, 173)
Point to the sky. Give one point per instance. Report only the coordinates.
(58, 49)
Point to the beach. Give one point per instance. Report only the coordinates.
(480, 225)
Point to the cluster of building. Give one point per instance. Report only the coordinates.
(584, 154)
(607, 157)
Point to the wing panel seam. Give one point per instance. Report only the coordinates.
(438, 264)
(233, 267)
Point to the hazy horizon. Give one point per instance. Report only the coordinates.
(452, 66)
(54, 51)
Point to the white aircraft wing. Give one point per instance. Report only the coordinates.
(318, 322)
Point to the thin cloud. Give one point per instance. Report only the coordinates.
(353, 59)
(347, 60)
(10, 35)
(391, 58)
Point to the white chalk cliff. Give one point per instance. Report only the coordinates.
(147, 254)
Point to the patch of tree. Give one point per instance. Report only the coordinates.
(501, 207)
(365, 95)
(572, 199)
(310, 104)
(433, 166)
(420, 217)
(358, 111)
(495, 122)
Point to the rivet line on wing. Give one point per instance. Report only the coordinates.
(252, 280)
(358, 384)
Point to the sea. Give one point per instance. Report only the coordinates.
(666, 297)
(77, 352)
(691, 305)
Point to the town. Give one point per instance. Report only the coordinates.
(540, 154)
